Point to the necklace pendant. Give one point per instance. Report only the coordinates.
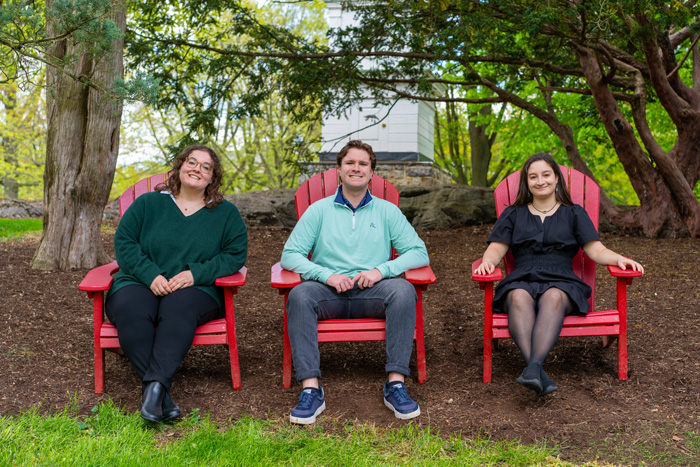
(546, 210)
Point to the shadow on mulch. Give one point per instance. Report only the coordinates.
(653, 417)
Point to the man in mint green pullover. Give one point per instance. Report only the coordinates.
(350, 275)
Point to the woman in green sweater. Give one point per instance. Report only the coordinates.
(171, 245)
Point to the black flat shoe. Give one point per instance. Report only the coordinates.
(152, 402)
(548, 386)
(531, 377)
(170, 409)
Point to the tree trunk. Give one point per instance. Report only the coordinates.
(457, 156)
(659, 203)
(481, 149)
(81, 155)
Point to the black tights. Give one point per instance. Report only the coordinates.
(137, 312)
(535, 326)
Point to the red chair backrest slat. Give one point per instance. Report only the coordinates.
(584, 192)
(330, 182)
(325, 184)
(142, 186)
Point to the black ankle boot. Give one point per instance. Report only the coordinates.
(170, 409)
(152, 402)
(548, 386)
(531, 377)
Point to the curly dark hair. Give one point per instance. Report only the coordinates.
(357, 144)
(524, 195)
(212, 195)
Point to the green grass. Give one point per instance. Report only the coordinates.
(646, 444)
(111, 437)
(19, 229)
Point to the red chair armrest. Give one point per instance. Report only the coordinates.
(496, 275)
(99, 279)
(283, 279)
(422, 275)
(617, 272)
(234, 280)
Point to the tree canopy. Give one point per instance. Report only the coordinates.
(618, 57)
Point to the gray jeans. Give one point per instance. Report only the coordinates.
(311, 301)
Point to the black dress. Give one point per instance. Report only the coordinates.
(543, 252)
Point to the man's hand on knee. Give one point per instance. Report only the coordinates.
(340, 283)
(367, 279)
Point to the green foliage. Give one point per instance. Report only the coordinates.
(16, 229)
(87, 22)
(520, 135)
(109, 437)
(199, 68)
(518, 55)
(140, 87)
(217, 100)
(22, 140)
(452, 141)
(29, 30)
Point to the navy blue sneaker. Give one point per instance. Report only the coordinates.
(311, 403)
(397, 399)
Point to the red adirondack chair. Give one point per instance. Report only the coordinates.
(611, 324)
(344, 330)
(97, 282)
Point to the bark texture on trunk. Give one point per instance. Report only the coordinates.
(81, 155)
(480, 143)
(662, 180)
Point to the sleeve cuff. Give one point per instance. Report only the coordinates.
(384, 270)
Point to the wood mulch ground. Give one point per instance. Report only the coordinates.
(652, 418)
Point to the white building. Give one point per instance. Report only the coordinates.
(404, 133)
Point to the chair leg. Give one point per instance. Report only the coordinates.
(99, 370)
(233, 357)
(98, 351)
(420, 338)
(622, 284)
(420, 360)
(488, 330)
(622, 357)
(287, 353)
(231, 337)
(487, 359)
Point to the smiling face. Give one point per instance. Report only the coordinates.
(355, 170)
(541, 180)
(193, 173)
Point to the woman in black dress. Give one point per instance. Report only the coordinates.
(545, 230)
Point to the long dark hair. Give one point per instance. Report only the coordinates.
(524, 195)
(212, 195)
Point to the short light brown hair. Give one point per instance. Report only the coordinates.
(357, 144)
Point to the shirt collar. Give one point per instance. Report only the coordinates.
(340, 199)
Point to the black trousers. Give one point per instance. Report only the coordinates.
(137, 312)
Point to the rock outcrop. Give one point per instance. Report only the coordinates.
(18, 209)
(426, 208)
(266, 207)
(447, 206)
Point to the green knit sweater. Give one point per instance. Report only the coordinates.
(154, 238)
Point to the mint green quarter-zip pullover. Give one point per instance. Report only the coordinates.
(346, 242)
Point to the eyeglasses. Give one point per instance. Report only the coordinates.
(192, 163)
